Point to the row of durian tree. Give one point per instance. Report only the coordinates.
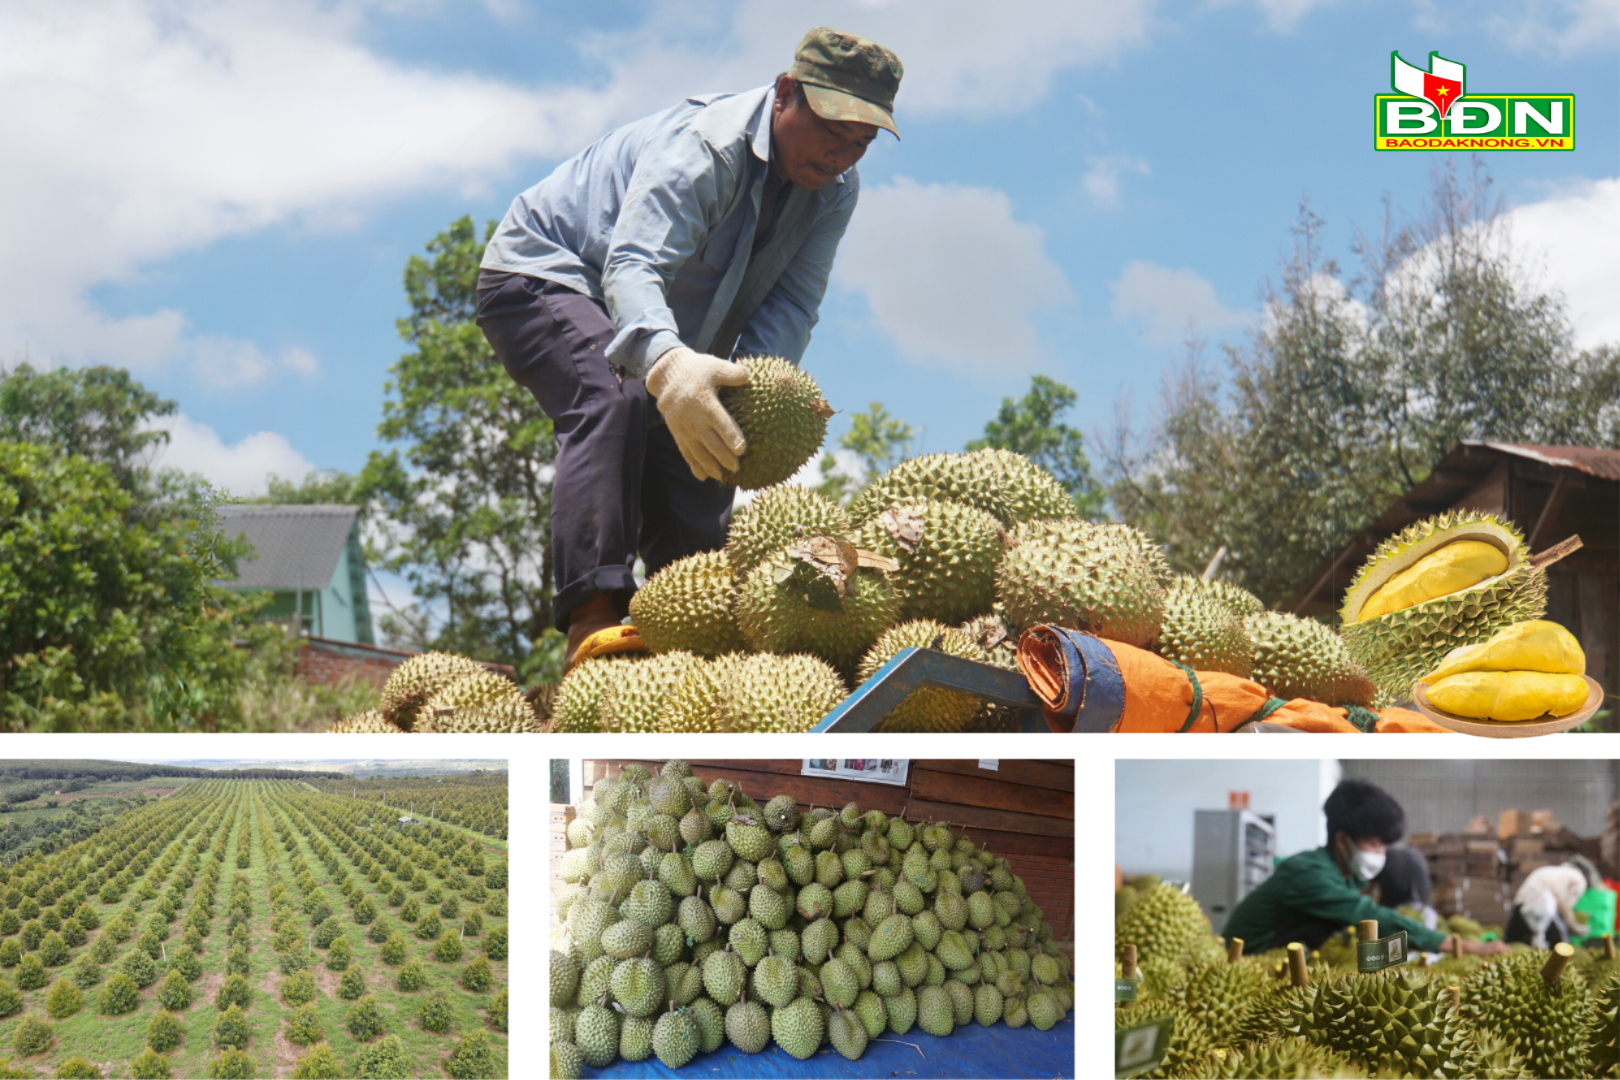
(693, 917)
(964, 553)
(1297, 1013)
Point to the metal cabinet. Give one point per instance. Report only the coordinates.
(1233, 852)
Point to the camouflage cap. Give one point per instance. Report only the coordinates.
(848, 77)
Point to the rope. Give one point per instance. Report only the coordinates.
(1197, 701)
(1364, 719)
(1271, 706)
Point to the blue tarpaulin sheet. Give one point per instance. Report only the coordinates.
(996, 1051)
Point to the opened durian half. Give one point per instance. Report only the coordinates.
(1449, 581)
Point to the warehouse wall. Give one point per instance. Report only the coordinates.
(1022, 811)
(1154, 803)
(1440, 796)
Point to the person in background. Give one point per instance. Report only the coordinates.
(1544, 907)
(1404, 882)
(1315, 894)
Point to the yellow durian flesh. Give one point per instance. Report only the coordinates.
(1508, 695)
(1452, 568)
(1537, 645)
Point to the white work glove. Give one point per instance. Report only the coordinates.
(686, 384)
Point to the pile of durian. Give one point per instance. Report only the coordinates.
(445, 693)
(1527, 1013)
(694, 917)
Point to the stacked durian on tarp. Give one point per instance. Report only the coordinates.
(692, 917)
(1522, 1014)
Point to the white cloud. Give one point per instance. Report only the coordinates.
(950, 275)
(153, 128)
(1578, 235)
(241, 468)
(1102, 180)
(1283, 16)
(1169, 304)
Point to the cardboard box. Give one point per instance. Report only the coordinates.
(1511, 823)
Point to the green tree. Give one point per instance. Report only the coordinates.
(383, 1060)
(97, 413)
(231, 1030)
(77, 1068)
(411, 977)
(463, 505)
(233, 1065)
(64, 999)
(364, 1020)
(436, 1013)
(150, 1065)
(1349, 392)
(164, 1031)
(1033, 426)
(321, 1063)
(32, 1036)
(304, 1025)
(472, 1057)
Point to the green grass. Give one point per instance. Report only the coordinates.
(112, 1041)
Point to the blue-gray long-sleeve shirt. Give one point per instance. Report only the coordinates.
(658, 219)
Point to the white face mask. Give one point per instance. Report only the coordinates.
(1368, 863)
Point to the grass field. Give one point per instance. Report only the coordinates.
(257, 863)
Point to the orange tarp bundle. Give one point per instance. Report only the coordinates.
(1159, 697)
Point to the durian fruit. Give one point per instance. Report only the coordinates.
(768, 693)
(694, 703)
(1301, 658)
(370, 722)
(1075, 574)
(782, 416)
(1000, 647)
(1222, 994)
(1200, 631)
(960, 478)
(1190, 1044)
(929, 708)
(1388, 1022)
(1545, 1024)
(1030, 492)
(1149, 548)
(1164, 923)
(1508, 695)
(1434, 587)
(579, 699)
(1292, 1058)
(414, 681)
(778, 516)
(632, 700)
(686, 606)
(489, 701)
(821, 604)
(947, 554)
(1235, 598)
(1604, 1044)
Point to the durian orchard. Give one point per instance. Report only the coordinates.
(1289, 1013)
(693, 918)
(964, 553)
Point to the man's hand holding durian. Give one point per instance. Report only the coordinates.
(686, 384)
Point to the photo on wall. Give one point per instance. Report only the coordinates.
(933, 913)
(1427, 905)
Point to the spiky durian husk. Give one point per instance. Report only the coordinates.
(959, 478)
(782, 416)
(1235, 598)
(1292, 1058)
(1000, 647)
(947, 554)
(508, 714)
(1301, 658)
(1199, 630)
(1190, 1044)
(1163, 923)
(1150, 548)
(1603, 1027)
(686, 607)
(694, 703)
(1222, 994)
(1031, 492)
(1401, 647)
(930, 708)
(481, 688)
(1388, 1021)
(783, 606)
(1492, 1057)
(579, 698)
(1545, 1025)
(778, 516)
(632, 700)
(417, 679)
(779, 693)
(1079, 575)
(370, 722)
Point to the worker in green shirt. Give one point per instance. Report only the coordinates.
(1315, 894)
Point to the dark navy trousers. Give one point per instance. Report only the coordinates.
(621, 486)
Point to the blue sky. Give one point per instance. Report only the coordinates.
(223, 196)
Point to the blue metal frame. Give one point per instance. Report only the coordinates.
(912, 669)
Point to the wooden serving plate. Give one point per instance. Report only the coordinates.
(1511, 729)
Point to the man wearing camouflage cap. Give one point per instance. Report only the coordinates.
(636, 270)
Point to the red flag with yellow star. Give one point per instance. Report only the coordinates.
(1440, 85)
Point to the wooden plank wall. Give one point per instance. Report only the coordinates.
(1023, 810)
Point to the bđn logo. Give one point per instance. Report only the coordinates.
(1432, 110)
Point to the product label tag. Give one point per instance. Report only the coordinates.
(1140, 1049)
(1125, 989)
(1386, 952)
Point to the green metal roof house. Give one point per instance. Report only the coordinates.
(309, 557)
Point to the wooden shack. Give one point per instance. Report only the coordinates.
(1021, 810)
(1550, 493)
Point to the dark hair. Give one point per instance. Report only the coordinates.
(798, 98)
(1364, 811)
